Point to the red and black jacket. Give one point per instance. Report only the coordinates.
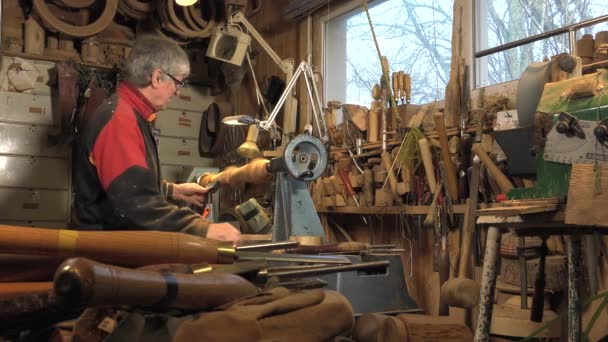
(117, 173)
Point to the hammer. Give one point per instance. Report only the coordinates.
(463, 292)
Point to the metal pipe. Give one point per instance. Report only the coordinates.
(488, 286)
(548, 34)
(573, 245)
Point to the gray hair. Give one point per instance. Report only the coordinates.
(150, 53)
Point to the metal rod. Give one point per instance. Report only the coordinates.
(326, 259)
(268, 246)
(548, 34)
(573, 245)
(488, 286)
(572, 42)
(325, 269)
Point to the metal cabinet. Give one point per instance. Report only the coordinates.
(177, 129)
(28, 108)
(35, 174)
(34, 204)
(177, 151)
(195, 99)
(178, 123)
(29, 140)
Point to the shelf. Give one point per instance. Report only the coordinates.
(394, 210)
(54, 59)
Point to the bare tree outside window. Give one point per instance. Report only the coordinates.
(504, 21)
(413, 34)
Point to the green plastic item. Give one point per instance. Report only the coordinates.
(565, 96)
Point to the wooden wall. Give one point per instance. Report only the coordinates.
(283, 38)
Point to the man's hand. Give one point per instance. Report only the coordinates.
(190, 193)
(223, 232)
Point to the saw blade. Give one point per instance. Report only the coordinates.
(569, 150)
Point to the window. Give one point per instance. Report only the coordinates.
(503, 21)
(415, 35)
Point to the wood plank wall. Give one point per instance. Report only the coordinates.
(283, 38)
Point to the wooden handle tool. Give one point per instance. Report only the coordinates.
(342, 247)
(463, 292)
(407, 83)
(395, 84)
(392, 178)
(83, 282)
(503, 182)
(450, 170)
(427, 161)
(401, 86)
(429, 221)
(127, 248)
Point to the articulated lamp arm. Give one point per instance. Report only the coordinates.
(286, 65)
(313, 95)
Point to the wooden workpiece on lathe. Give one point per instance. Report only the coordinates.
(256, 172)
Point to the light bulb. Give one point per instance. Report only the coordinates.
(185, 2)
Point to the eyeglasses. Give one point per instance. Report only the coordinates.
(179, 84)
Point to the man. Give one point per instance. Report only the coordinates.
(117, 173)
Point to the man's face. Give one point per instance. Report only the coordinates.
(168, 88)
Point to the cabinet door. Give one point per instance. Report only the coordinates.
(37, 224)
(28, 108)
(195, 99)
(32, 205)
(34, 172)
(29, 140)
(176, 151)
(178, 123)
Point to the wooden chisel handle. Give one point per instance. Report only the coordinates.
(401, 84)
(127, 248)
(407, 82)
(427, 161)
(392, 178)
(83, 282)
(395, 84)
(450, 170)
(9, 290)
(430, 216)
(503, 182)
(343, 247)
